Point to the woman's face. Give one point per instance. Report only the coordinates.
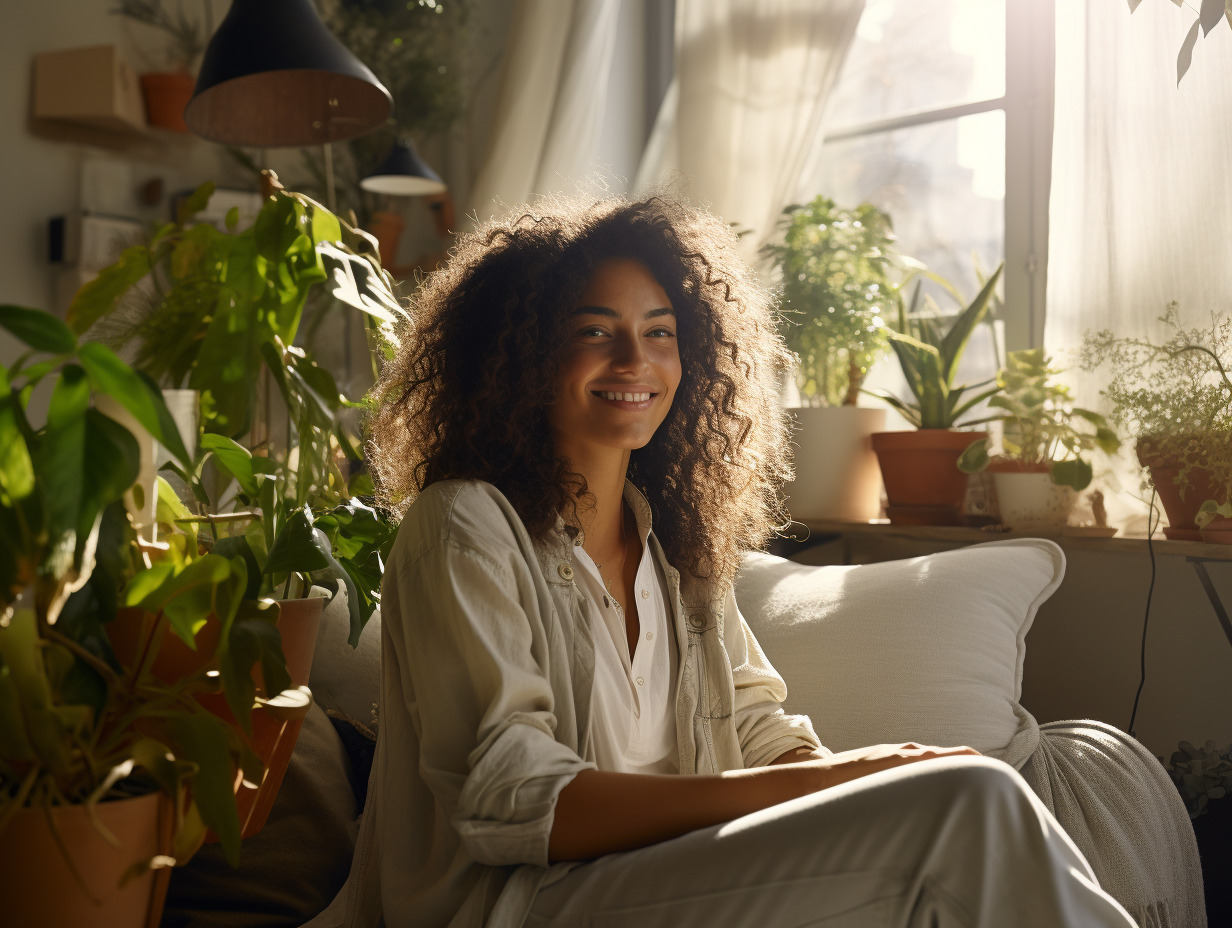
(621, 364)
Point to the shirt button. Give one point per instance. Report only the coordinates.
(650, 636)
(645, 594)
(565, 571)
(697, 620)
(640, 681)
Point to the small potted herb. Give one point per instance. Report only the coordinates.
(1045, 444)
(167, 92)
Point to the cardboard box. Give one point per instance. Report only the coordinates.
(93, 86)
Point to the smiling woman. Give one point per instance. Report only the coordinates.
(581, 426)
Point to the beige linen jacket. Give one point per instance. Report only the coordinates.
(487, 671)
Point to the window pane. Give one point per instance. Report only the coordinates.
(943, 185)
(911, 55)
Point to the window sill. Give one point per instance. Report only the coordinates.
(957, 536)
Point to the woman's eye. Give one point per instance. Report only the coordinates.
(661, 332)
(592, 332)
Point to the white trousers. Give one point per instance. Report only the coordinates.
(951, 841)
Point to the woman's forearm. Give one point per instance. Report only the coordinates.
(600, 812)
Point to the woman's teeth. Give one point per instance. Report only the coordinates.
(625, 397)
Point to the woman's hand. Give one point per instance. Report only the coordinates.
(810, 776)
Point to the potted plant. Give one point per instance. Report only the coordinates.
(1174, 395)
(1203, 777)
(224, 319)
(167, 92)
(93, 744)
(1042, 463)
(838, 274)
(923, 483)
(224, 315)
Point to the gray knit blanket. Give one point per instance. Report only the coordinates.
(1116, 802)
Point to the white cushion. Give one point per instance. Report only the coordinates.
(929, 649)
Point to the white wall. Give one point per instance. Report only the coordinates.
(38, 177)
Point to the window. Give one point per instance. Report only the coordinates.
(942, 116)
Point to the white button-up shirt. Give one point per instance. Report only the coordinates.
(633, 708)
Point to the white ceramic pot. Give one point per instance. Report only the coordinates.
(837, 476)
(143, 504)
(1032, 502)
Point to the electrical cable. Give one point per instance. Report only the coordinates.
(1150, 547)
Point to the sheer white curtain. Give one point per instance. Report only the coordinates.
(747, 103)
(549, 116)
(1141, 200)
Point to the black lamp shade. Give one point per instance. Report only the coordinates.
(273, 76)
(403, 174)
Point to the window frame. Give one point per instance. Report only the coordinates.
(1028, 107)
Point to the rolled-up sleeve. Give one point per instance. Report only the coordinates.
(766, 732)
(475, 655)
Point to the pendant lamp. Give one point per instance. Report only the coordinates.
(274, 76)
(403, 174)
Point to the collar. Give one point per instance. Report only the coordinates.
(637, 505)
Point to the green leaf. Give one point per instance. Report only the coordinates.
(325, 227)
(136, 393)
(1185, 57)
(232, 219)
(975, 458)
(194, 203)
(239, 546)
(16, 466)
(97, 297)
(299, 547)
(38, 328)
(955, 341)
(233, 458)
(1076, 473)
(185, 595)
(1107, 441)
(203, 739)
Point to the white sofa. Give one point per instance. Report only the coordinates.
(929, 649)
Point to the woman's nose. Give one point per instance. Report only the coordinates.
(629, 353)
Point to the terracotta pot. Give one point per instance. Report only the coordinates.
(386, 228)
(37, 883)
(166, 96)
(836, 471)
(275, 728)
(923, 483)
(1180, 502)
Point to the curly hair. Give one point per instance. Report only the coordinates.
(464, 394)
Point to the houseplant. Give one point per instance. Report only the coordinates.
(168, 92)
(88, 738)
(838, 272)
(1173, 394)
(1203, 777)
(223, 318)
(1042, 463)
(923, 483)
